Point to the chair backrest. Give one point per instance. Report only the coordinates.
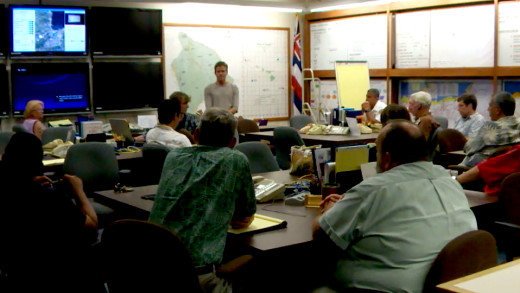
(5, 137)
(299, 121)
(432, 142)
(247, 125)
(140, 256)
(510, 199)
(188, 135)
(259, 155)
(19, 128)
(443, 121)
(284, 138)
(153, 161)
(95, 163)
(64, 133)
(450, 140)
(468, 253)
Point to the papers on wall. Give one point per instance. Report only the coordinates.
(147, 121)
(412, 34)
(508, 28)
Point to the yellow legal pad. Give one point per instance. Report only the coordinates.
(53, 162)
(261, 223)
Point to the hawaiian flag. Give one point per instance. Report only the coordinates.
(296, 78)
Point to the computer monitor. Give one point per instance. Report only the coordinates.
(4, 92)
(121, 128)
(125, 31)
(3, 31)
(127, 86)
(62, 87)
(48, 30)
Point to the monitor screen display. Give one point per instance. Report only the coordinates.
(62, 87)
(125, 31)
(42, 30)
(4, 92)
(3, 31)
(127, 85)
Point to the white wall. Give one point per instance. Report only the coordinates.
(182, 13)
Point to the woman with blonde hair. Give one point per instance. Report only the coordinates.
(33, 118)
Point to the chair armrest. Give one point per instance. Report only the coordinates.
(508, 225)
(458, 168)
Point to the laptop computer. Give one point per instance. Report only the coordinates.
(121, 128)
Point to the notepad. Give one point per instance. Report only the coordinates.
(58, 123)
(261, 223)
(53, 162)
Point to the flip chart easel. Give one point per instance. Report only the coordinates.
(353, 82)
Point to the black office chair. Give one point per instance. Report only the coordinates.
(64, 133)
(284, 138)
(259, 156)
(299, 121)
(140, 256)
(153, 161)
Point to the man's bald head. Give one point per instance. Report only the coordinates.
(400, 142)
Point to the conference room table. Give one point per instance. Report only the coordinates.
(299, 218)
(326, 140)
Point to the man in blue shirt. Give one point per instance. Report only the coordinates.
(470, 121)
(203, 190)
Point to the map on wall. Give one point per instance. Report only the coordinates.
(258, 61)
(445, 94)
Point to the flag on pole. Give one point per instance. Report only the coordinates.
(296, 78)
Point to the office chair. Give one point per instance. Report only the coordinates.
(153, 161)
(64, 133)
(432, 143)
(259, 156)
(140, 256)
(468, 253)
(5, 137)
(245, 126)
(448, 140)
(299, 121)
(284, 138)
(19, 128)
(508, 224)
(443, 121)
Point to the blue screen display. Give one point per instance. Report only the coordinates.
(62, 87)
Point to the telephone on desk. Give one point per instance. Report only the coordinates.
(266, 190)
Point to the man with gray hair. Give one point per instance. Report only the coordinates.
(373, 106)
(204, 189)
(419, 106)
(502, 130)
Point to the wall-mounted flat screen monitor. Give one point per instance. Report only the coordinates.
(127, 85)
(47, 30)
(4, 92)
(62, 87)
(125, 31)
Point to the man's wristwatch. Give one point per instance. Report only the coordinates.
(366, 110)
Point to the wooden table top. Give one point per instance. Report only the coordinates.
(326, 140)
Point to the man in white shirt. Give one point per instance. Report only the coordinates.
(170, 115)
(373, 106)
(470, 121)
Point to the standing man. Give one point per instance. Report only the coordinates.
(503, 129)
(203, 190)
(470, 121)
(221, 94)
(373, 106)
(394, 224)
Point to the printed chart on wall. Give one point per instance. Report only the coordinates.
(258, 60)
(344, 40)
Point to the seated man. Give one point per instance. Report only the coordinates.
(504, 129)
(170, 115)
(391, 227)
(419, 106)
(493, 170)
(373, 106)
(394, 111)
(470, 121)
(204, 189)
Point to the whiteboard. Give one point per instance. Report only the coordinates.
(508, 34)
(356, 38)
(258, 60)
(462, 37)
(412, 45)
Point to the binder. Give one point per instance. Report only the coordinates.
(261, 223)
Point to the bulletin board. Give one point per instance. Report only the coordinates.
(258, 60)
